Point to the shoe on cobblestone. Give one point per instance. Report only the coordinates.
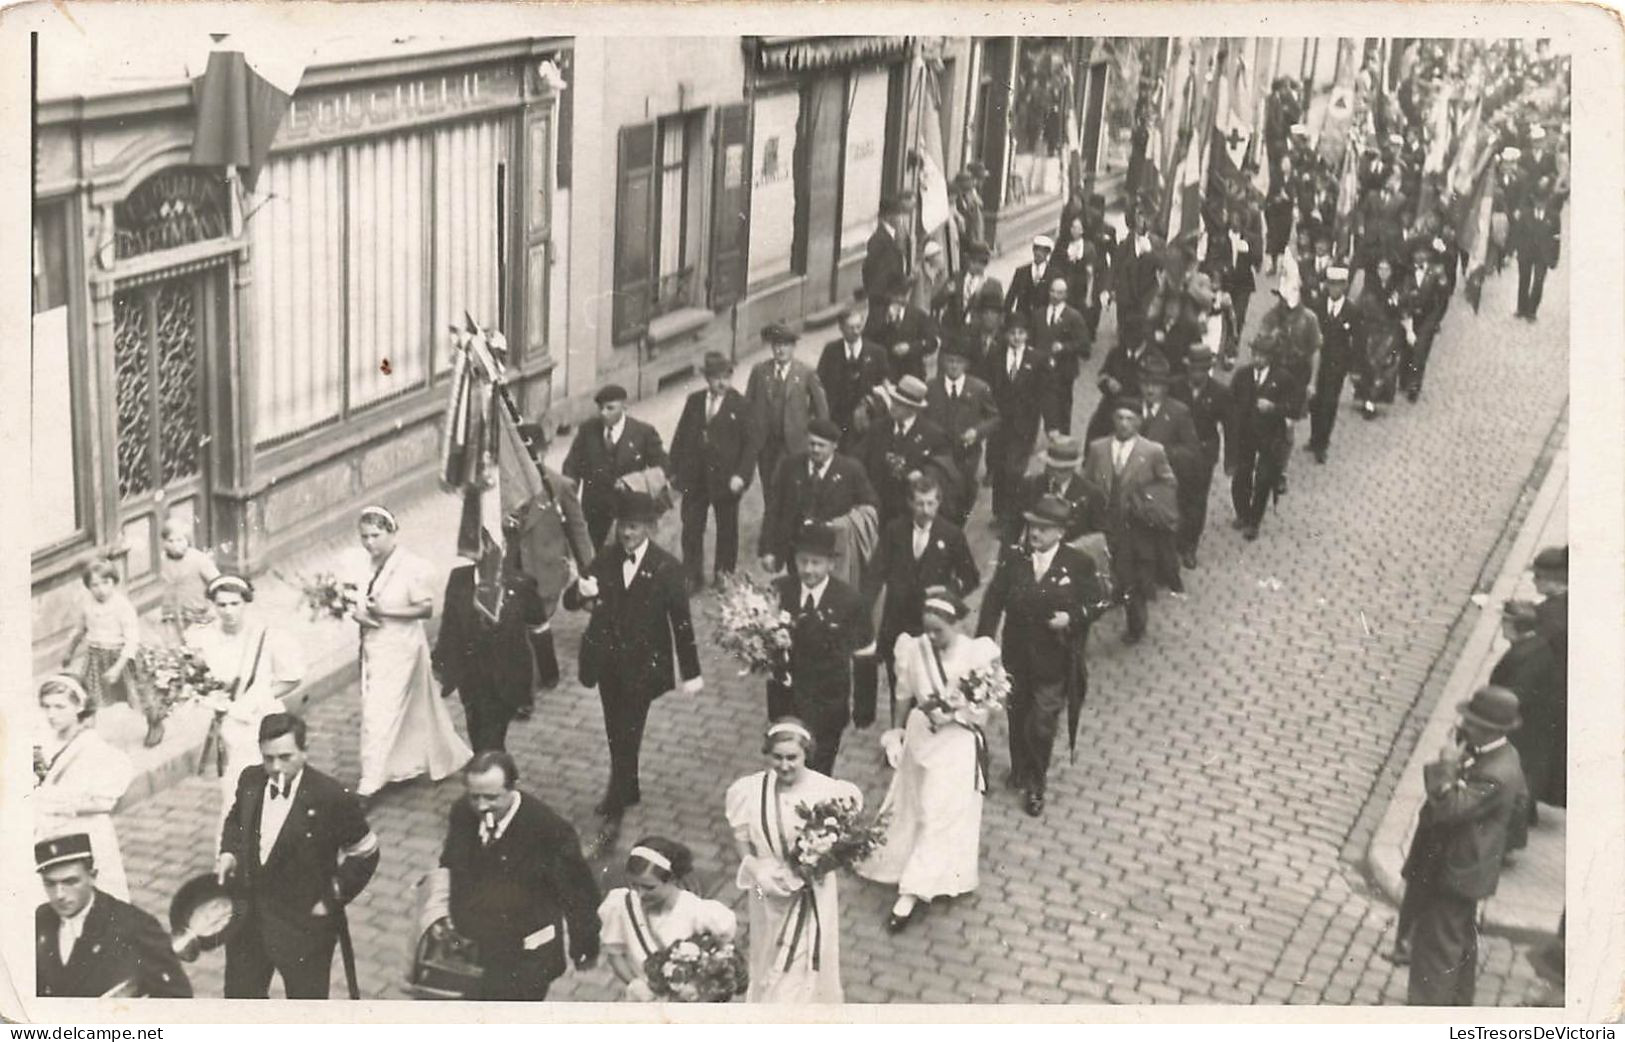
(1250, 533)
(1188, 559)
(1035, 804)
(1238, 523)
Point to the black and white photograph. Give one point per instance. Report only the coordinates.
(535, 509)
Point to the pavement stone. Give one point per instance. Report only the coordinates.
(1205, 845)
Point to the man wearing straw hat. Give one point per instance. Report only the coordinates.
(1342, 347)
(1475, 790)
(89, 944)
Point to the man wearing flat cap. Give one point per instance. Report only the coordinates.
(784, 396)
(819, 485)
(956, 304)
(713, 457)
(640, 613)
(1029, 286)
(886, 259)
(906, 333)
(1475, 793)
(87, 943)
(607, 448)
(1342, 349)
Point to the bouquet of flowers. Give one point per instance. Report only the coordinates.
(753, 629)
(176, 675)
(702, 968)
(327, 596)
(834, 836)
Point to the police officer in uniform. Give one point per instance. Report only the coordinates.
(89, 944)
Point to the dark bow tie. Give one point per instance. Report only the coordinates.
(279, 791)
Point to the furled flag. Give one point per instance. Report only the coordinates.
(241, 98)
(1185, 210)
(934, 206)
(1337, 121)
(1474, 234)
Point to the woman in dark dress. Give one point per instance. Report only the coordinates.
(1378, 373)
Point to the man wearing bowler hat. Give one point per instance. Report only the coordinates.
(1044, 593)
(785, 397)
(886, 259)
(1061, 457)
(713, 455)
(89, 944)
(639, 605)
(607, 448)
(831, 625)
(1475, 792)
(296, 844)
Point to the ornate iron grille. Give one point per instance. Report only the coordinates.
(177, 381)
(133, 393)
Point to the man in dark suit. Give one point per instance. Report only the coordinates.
(1043, 593)
(1208, 400)
(1240, 246)
(297, 845)
(984, 337)
(519, 886)
(1265, 396)
(1134, 278)
(1061, 335)
(482, 651)
(1029, 286)
(1475, 792)
(1168, 423)
(89, 944)
(850, 368)
(607, 448)
(817, 485)
(639, 606)
(1132, 476)
(1060, 477)
(962, 406)
(1534, 237)
(1421, 307)
(886, 260)
(831, 625)
(903, 331)
(899, 448)
(1119, 377)
(915, 554)
(1342, 348)
(547, 550)
(1017, 376)
(785, 396)
(956, 304)
(713, 455)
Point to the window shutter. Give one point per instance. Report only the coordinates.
(730, 231)
(634, 233)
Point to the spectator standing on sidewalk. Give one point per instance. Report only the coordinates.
(1529, 669)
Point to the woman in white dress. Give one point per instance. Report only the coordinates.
(654, 910)
(935, 800)
(258, 670)
(405, 729)
(795, 955)
(80, 779)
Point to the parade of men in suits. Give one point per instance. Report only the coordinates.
(962, 406)
(297, 846)
(87, 943)
(607, 448)
(1132, 475)
(831, 625)
(850, 369)
(713, 457)
(639, 641)
(784, 397)
(517, 885)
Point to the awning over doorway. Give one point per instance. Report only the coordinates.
(793, 54)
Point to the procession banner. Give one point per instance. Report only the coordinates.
(1338, 120)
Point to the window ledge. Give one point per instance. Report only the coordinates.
(677, 324)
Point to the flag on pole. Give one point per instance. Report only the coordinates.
(1474, 234)
(1185, 210)
(241, 98)
(934, 207)
(1263, 74)
(1348, 192)
(1337, 121)
(1234, 131)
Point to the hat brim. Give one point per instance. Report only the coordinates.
(1050, 461)
(1466, 711)
(1039, 519)
(65, 859)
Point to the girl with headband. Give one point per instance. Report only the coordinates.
(259, 668)
(406, 731)
(935, 799)
(787, 964)
(654, 909)
(81, 779)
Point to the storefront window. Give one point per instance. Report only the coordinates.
(1039, 119)
(54, 497)
(865, 161)
(773, 188)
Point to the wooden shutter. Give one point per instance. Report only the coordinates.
(634, 233)
(730, 229)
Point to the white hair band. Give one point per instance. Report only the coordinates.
(654, 857)
(789, 727)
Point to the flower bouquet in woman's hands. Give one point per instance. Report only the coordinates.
(753, 629)
(175, 675)
(702, 968)
(834, 835)
(327, 596)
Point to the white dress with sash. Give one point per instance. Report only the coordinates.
(795, 952)
(630, 928)
(86, 778)
(252, 662)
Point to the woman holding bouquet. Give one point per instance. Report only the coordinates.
(794, 923)
(654, 910)
(935, 800)
(255, 671)
(80, 779)
(405, 730)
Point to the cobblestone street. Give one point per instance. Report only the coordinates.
(1204, 847)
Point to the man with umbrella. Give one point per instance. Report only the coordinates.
(1045, 594)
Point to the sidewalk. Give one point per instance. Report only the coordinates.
(1529, 901)
(428, 528)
